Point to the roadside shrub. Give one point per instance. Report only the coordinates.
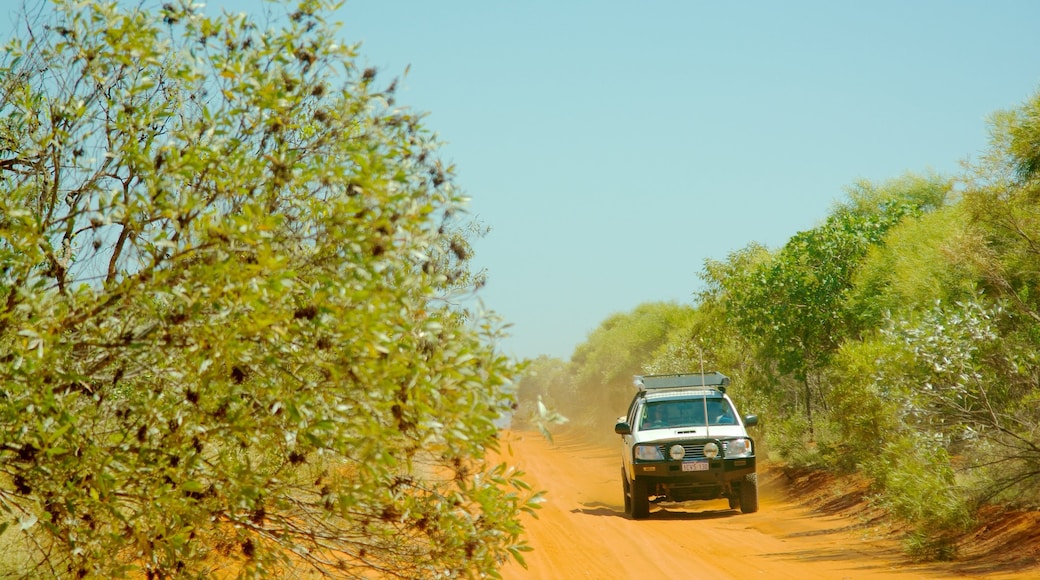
(915, 482)
(788, 441)
(863, 407)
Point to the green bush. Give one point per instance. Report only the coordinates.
(915, 482)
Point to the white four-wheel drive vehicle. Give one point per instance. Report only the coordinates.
(683, 440)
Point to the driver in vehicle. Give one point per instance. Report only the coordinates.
(721, 414)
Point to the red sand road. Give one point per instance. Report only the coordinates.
(582, 531)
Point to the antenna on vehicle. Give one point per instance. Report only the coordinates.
(700, 351)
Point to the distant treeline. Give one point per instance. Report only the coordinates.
(898, 338)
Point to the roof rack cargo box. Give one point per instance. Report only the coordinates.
(712, 379)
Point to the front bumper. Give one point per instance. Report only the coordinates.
(717, 470)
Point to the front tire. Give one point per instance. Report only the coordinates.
(640, 508)
(749, 494)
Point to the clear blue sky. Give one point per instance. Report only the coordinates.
(614, 146)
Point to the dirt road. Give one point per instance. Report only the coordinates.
(582, 531)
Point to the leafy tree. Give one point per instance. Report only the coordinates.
(1015, 143)
(1002, 200)
(617, 350)
(924, 260)
(732, 348)
(795, 303)
(227, 339)
(690, 346)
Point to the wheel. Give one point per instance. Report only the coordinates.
(749, 494)
(734, 502)
(639, 500)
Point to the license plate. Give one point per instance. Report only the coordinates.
(695, 466)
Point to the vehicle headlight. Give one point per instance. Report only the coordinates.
(677, 452)
(711, 450)
(648, 453)
(738, 448)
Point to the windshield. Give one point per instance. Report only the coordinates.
(687, 413)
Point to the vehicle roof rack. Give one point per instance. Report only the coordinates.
(672, 381)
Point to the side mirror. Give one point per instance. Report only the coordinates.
(750, 420)
(622, 428)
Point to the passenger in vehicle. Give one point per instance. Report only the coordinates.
(654, 418)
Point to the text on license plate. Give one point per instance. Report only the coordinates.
(695, 466)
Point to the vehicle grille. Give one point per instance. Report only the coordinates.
(694, 451)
